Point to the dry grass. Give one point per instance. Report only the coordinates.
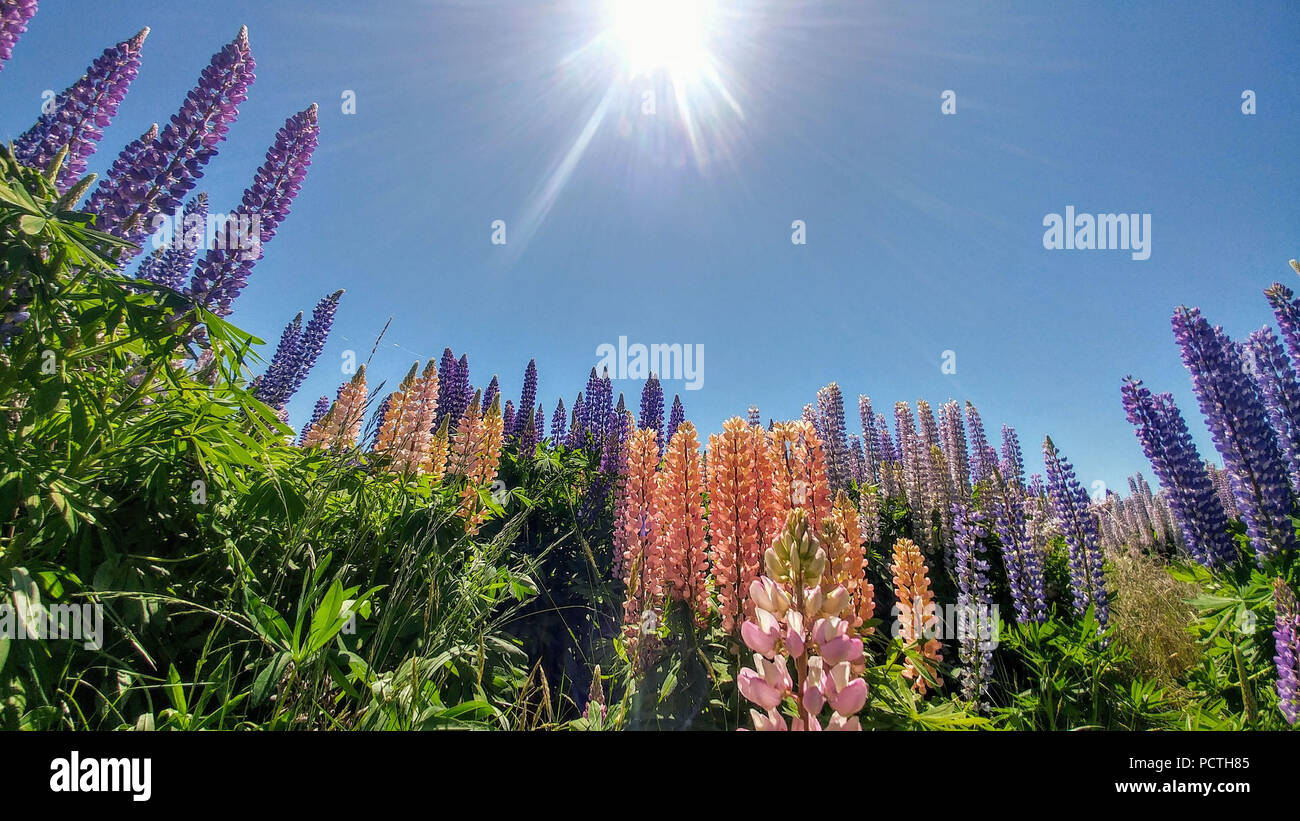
(1152, 615)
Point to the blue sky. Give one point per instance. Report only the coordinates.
(924, 231)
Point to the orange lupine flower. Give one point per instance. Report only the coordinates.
(341, 425)
(435, 464)
(467, 439)
(848, 561)
(734, 548)
(916, 609)
(680, 508)
(765, 499)
(636, 535)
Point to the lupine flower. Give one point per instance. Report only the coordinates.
(378, 420)
(842, 534)
(558, 420)
(794, 620)
(1287, 310)
(508, 419)
(1021, 556)
(284, 362)
(479, 449)
(491, 391)
(1223, 488)
(733, 547)
(525, 431)
(317, 414)
(830, 413)
(636, 540)
(14, 15)
(676, 416)
(1070, 501)
(681, 513)
(953, 432)
(870, 440)
(857, 461)
(591, 418)
(462, 391)
(889, 461)
(341, 425)
(154, 179)
(527, 399)
(753, 416)
(170, 265)
(77, 115)
(467, 441)
(222, 274)
(447, 387)
(1238, 423)
(436, 465)
(1013, 463)
(1192, 499)
(917, 614)
(810, 416)
(980, 466)
(976, 610)
(1281, 394)
(412, 438)
(575, 437)
(1286, 656)
(652, 409)
(800, 471)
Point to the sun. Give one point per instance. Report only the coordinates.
(670, 35)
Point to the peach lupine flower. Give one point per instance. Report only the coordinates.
(341, 425)
(795, 621)
(800, 470)
(849, 561)
(387, 438)
(435, 464)
(916, 610)
(733, 530)
(483, 462)
(467, 440)
(414, 434)
(680, 509)
(637, 534)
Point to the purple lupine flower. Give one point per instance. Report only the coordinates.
(491, 391)
(980, 465)
(613, 465)
(1168, 446)
(170, 265)
(752, 416)
(1036, 488)
(539, 424)
(1238, 423)
(313, 341)
(953, 432)
(589, 422)
(652, 409)
(527, 398)
(871, 442)
(909, 453)
(446, 388)
(508, 420)
(976, 612)
(1020, 555)
(1079, 526)
(577, 432)
(1013, 462)
(274, 384)
(927, 428)
(14, 15)
(463, 394)
(601, 408)
(317, 413)
(156, 180)
(810, 416)
(1223, 487)
(885, 442)
(1286, 650)
(222, 274)
(857, 461)
(1287, 310)
(77, 115)
(830, 413)
(676, 416)
(525, 428)
(381, 416)
(1281, 394)
(558, 421)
